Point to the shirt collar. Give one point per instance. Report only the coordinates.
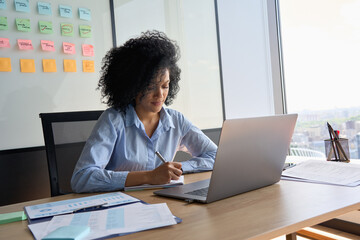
(131, 118)
(166, 119)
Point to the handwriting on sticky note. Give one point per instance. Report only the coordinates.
(27, 65)
(23, 24)
(88, 50)
(22, 5)
(85, 14)
(68, 48)
(4, 43)
(44, 8)
(47, 45)
(3, 23)
(67, 29)
(45, 27)
(65, 11)
(5, 65)
(49, 65)
(25, 44)
(88, 66)
(69, 65)
(85, 31)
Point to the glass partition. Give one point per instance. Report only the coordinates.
(193, 25)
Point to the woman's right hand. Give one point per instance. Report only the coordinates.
(165, 173)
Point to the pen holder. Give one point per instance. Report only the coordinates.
(341, 146)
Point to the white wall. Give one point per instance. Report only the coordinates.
(24, 95)
(250, 58)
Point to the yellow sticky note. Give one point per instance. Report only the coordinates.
(27, 65)
(69, 65)
(88, 66)
(49, 65)
(5, 65)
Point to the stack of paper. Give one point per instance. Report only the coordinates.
(110, 222)
(326, 172)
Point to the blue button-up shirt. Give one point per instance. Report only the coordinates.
(119, 144)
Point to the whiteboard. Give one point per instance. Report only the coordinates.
(24, 95)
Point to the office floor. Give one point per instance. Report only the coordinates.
(328, 232)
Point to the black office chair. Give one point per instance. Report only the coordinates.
(65, 134)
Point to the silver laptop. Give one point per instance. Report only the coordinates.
(251, 155)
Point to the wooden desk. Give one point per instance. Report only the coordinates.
(269, 212)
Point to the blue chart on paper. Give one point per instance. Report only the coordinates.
(67, 206)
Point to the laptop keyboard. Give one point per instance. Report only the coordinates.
(199, 192)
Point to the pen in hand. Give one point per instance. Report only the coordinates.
(160, 156)
(163, 159)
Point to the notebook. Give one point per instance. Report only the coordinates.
(251, 155)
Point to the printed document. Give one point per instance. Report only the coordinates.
(111, 222)
(68, 206)
(317, 171)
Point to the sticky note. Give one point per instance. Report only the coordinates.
(27, 65)
(67, 29)
(4, 43)
(23, 24)
(85, 14)
(2, 4)
(49, 65)
(68, 232)
(69, 65)
(12, 217)
(22, 5)
(25, 44)
(44, 8)
(65, 11)
(45, 27)
(3, 23)
(88, 66)
(5, 65)
(87, 50)
(47, 45)
(85, 31)
(68, 48)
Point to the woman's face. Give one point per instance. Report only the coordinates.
(156, 94)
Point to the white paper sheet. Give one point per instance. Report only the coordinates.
(336, 173)
(124, 219)
(172, 183)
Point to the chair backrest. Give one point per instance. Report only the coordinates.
(65, 134)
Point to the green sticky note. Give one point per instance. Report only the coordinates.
(3, 23)
(68, 232)
(67, 29)
(45, 27)
(23, 24)
(85, 31)
(12, 217)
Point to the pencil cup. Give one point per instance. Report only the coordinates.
(341, 147)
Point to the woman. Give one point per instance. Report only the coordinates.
(137, 79)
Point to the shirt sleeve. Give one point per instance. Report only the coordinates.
(90, 174)
(201, 148)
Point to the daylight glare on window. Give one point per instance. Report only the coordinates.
(321, 59)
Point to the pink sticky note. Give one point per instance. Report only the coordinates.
(4, 42)
(69, 48)
(47, 45)
(88, 50)
(25, 44)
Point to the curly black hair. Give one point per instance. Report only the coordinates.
(130, 69)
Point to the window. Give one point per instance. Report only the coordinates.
(321, 58)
